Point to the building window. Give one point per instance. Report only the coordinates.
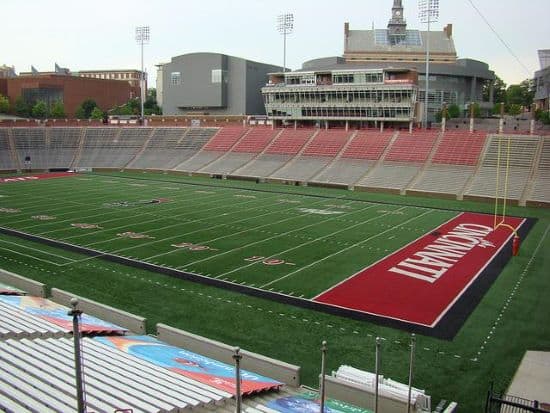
(217, 76)
(175, 78)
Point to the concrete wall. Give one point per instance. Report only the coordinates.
(278, 370)
(121, 318)
(30, 286)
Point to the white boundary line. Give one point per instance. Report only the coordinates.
(476, 276)
(385, 257)
(314, 240)
(346, 249)
(36, 249)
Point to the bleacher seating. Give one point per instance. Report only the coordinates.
(252, 143)
(368, 145)
(390, 175)
(224, 140)
(255, 141)
(541, 185)
(169, 147)
(290, 141)
(216, 147)
(343, 171)
(415, 147)
(459, 148)
(453, 163)
(522, 156)
(422, 161)
(282, 149)
(63, 146)
(31, 142)
(327, 143)
(111, 147)
(317, 154)
(6, 160)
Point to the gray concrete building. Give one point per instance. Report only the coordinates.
(542, 81)
(212, 83)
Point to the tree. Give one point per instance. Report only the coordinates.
(474, 107)
(88, 106)
(57, 110)
(40, 110)
(521, 94)
(21, 107)
(4, 104)
(80, 113)
(97, 113)
(499, 90)
(150, 107)
(453, 111)
(513, 109)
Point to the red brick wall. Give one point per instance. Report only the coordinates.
(105, 92)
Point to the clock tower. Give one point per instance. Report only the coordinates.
(397, 26)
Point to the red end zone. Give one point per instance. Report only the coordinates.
(35, 177)
(419, 283)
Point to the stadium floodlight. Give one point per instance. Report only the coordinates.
(142, 38)
(285, 26)
(428, 12)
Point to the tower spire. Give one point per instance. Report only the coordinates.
(397, 25)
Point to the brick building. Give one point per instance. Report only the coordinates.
(70, 90)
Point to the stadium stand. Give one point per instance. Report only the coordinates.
(541, 184)
(522, 157)
(415, 147)
(111, 147)
(402, 161)
(217, 146)
(316, 155)
(64, 144)
(37, 371)
(7, 161)
(252, 143)
(31, 144)
(169, 147)
(452, 165)
(361, 152)
(282, 149)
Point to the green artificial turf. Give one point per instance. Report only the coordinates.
(238, 220)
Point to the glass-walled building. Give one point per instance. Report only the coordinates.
(342, 97)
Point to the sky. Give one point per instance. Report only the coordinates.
(86, 35)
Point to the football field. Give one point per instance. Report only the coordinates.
(319, 251)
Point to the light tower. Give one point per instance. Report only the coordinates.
(285, 25)
(428, 13)
(142, 37)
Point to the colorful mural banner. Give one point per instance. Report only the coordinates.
(57, 314)
(309, 403)
(203, 369)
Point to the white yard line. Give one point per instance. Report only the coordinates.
(36, 249)
(173, 218)
(233, 234)
(285, 234)
(85, 218)
(31, 256)
(344, 249)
